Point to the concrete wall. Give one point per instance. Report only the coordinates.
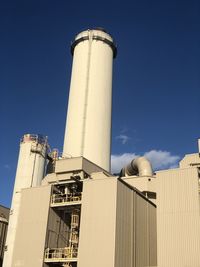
(32, 225)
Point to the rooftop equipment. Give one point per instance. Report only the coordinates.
(139, 166)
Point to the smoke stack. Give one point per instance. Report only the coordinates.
(88, 126)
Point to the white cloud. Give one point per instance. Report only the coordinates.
(119, 161)
(162, 159)
(123, 138)
(158, 158)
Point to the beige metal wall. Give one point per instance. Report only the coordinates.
(178, 218)
(145, 231)
(97, 226)
(117, 226)
(190, 160)
(152, 226)
(141, 231)
(135, 229)
(142, 183)
(32, 226)
(69, 165)
(125, 226)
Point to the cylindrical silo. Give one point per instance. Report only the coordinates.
(30, 171)
(88, 127)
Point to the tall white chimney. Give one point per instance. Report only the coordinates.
(88, 127)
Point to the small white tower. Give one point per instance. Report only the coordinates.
(30, 171)
(88, 127)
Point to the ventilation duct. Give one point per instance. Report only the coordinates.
(139, 166)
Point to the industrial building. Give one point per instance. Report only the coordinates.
(177, 197)
(69, 210)
(4, 216)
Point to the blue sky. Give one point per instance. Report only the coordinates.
(155, 81)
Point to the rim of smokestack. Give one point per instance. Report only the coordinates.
(100, 29)
(98, 38)
(40, 138)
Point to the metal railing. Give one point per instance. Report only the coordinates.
(60, 254)
(66, 198)
(39, 138)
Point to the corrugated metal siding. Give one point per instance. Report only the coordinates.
(124, 227)
(142, 237)
(97, 224)
(152, 235)
(178, 218)
(135, 229)
(189, 160)
(32, 225)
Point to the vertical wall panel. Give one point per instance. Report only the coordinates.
(178, 218)
(97, 224)
(152, 235)
(31, 231)
(135, 229)
(124, 227)
(142, 237)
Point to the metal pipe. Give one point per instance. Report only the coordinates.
(139, 166)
